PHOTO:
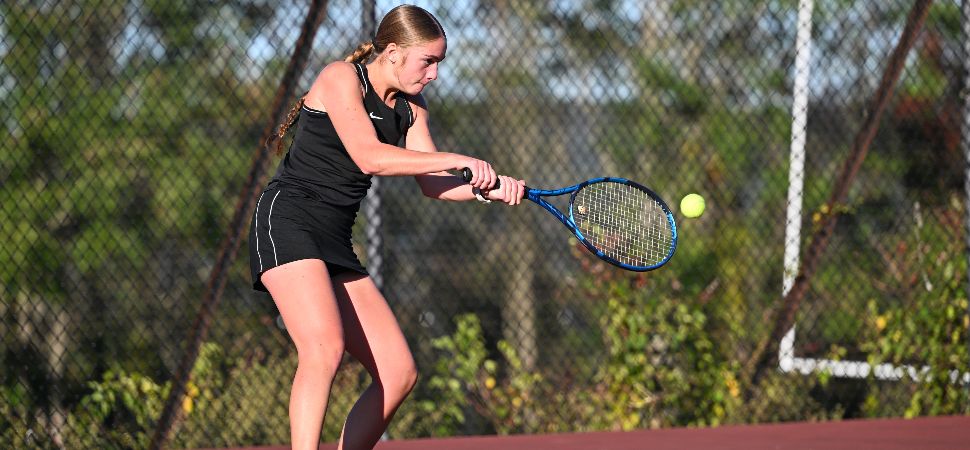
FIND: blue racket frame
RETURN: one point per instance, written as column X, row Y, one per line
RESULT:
column 535, row 195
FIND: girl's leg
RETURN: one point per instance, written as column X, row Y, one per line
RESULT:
column 373, row 336
column 305, row 297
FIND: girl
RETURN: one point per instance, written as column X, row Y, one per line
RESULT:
column 363, row 116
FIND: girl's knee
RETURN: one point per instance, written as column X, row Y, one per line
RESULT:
column 409, row 378
column 321, row 355
column 404, row 378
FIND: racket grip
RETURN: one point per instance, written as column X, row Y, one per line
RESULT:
column 466, row 176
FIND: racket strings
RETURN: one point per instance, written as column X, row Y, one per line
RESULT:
column 623, row 222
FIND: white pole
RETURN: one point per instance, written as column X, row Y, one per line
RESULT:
column 796, row 169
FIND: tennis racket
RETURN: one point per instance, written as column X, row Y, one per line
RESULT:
column 618, row 220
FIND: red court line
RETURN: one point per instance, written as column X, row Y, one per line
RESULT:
column 939, row 433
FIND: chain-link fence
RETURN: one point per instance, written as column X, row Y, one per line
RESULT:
column 133, row 125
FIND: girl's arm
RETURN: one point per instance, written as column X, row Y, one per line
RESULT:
column 442, row 185
column 337, row 91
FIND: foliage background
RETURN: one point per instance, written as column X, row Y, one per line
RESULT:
column 131, row 125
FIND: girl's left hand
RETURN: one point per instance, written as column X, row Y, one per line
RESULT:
column 509, row 191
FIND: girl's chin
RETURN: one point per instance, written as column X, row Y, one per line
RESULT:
column 416, row 89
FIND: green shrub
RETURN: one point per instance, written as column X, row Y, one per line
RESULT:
column 926, row 330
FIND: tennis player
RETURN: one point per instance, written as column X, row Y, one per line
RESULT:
column 363, row 116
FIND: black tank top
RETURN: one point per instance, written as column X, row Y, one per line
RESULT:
column 319, row 162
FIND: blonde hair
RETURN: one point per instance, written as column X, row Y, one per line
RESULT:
column 405, row 25
column 291, row 117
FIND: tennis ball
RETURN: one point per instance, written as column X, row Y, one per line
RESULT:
column 692, row 205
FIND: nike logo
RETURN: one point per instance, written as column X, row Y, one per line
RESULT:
column 372, row 116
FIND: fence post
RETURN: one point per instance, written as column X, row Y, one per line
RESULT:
column 965, row 144
column 372, row 204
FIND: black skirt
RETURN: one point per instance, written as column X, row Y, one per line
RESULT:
column 291, row 223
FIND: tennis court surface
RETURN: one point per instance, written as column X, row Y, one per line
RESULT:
column 922, row 433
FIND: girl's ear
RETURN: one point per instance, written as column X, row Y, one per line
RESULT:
column 392, row 52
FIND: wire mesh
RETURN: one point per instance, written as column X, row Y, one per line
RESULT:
column 131, row 126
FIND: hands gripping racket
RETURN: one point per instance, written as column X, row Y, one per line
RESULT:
column 620, row 221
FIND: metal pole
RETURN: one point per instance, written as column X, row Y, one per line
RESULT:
column 796, row 169
column 965, row 144
column 372, row 205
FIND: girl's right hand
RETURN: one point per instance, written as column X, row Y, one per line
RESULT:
column 483, row 176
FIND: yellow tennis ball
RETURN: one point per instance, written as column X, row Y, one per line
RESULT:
column 692, row 205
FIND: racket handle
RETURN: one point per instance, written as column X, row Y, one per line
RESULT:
column 466, row 175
